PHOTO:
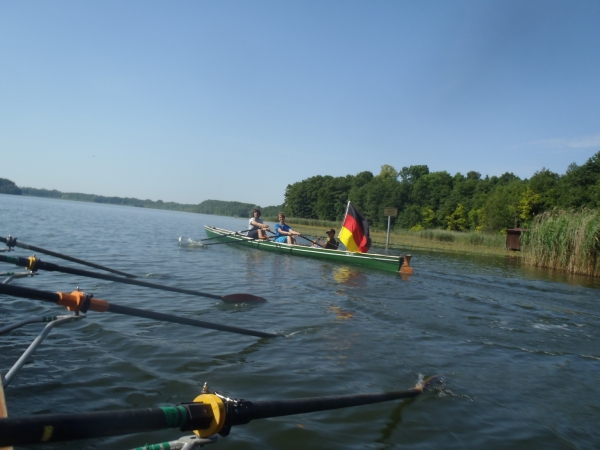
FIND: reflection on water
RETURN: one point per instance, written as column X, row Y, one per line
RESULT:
column 505, row 335
column 340, row 313
column 350, row 277
column 394, row 421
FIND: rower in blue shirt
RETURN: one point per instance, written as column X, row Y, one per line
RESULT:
column 283, row 232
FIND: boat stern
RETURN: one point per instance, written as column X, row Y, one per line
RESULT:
column 405, row 268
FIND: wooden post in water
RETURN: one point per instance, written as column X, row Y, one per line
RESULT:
column 390, row 212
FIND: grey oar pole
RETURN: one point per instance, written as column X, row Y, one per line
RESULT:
column 12, row 242
column 33, row 264
column 34, row 345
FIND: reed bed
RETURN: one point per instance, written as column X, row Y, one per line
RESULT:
column 564, row 240
column 466, row 238
column 435, row 240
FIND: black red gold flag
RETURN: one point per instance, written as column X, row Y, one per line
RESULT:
column 355, row 231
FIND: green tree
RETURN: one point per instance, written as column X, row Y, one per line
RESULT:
column 477, row 219
column 411, row 174
column 433, row 190
column 544, row 183
column 428, row 216
column 528, row 203
column 410, row 217
column 301, row 198
column 501, row 208
column 9, row 187
column 388, row 172
column 457, row 221
column 332, row 198
column 577, row 186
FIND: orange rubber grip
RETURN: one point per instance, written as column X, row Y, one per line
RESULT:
column 74, row 302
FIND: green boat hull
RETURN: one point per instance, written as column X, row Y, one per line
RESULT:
column 388, row 263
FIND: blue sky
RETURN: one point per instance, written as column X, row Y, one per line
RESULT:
column 234, row 100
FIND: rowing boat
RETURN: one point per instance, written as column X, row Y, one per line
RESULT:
column 389, row 263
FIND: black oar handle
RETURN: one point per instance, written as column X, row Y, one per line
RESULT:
column 120, row 309
column 13, row 243
column 103, row 305
column 40, row 265
column 46, row 428
column 34, row 294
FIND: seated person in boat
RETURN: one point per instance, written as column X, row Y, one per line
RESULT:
column 330, row 243
column 283, row 232
column 258, row 230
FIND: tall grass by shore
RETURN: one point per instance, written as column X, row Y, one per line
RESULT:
column 492, row 240
column 435, row 239
column 564, row 240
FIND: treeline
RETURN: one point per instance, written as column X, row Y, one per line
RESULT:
column 127, row 201
column 218, row 207
column 439, row 200
column 425, row 200
column 236, row 209
column 9, row 187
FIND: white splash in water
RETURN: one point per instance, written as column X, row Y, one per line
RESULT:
column 189, row 242
column 543, row 326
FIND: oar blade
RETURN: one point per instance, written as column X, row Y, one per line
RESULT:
column 243, row 298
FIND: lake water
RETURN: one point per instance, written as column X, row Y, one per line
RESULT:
column 518, row 348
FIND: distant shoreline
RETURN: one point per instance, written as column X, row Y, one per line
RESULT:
column 213, row 207
column 398, row 239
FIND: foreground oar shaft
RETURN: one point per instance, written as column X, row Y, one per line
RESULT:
column 278, row 408
column 41, row 265
column 13, row 242
column 66, row 427
column 75, row 300
column 199, row 417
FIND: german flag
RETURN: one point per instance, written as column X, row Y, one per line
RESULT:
column 355, row 231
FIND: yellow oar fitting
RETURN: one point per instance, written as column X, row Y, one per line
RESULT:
column 32, row 263
column 218, row 410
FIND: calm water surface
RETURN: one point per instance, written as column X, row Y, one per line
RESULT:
column 518, row 348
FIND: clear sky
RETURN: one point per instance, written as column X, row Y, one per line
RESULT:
column 234, row 100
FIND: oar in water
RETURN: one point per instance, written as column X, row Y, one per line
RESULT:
column 79, row 301
column 12, row 242
column 208, row 415
column 236, row 241
column 217, row 237
column 309, row 240
column 34, row 264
